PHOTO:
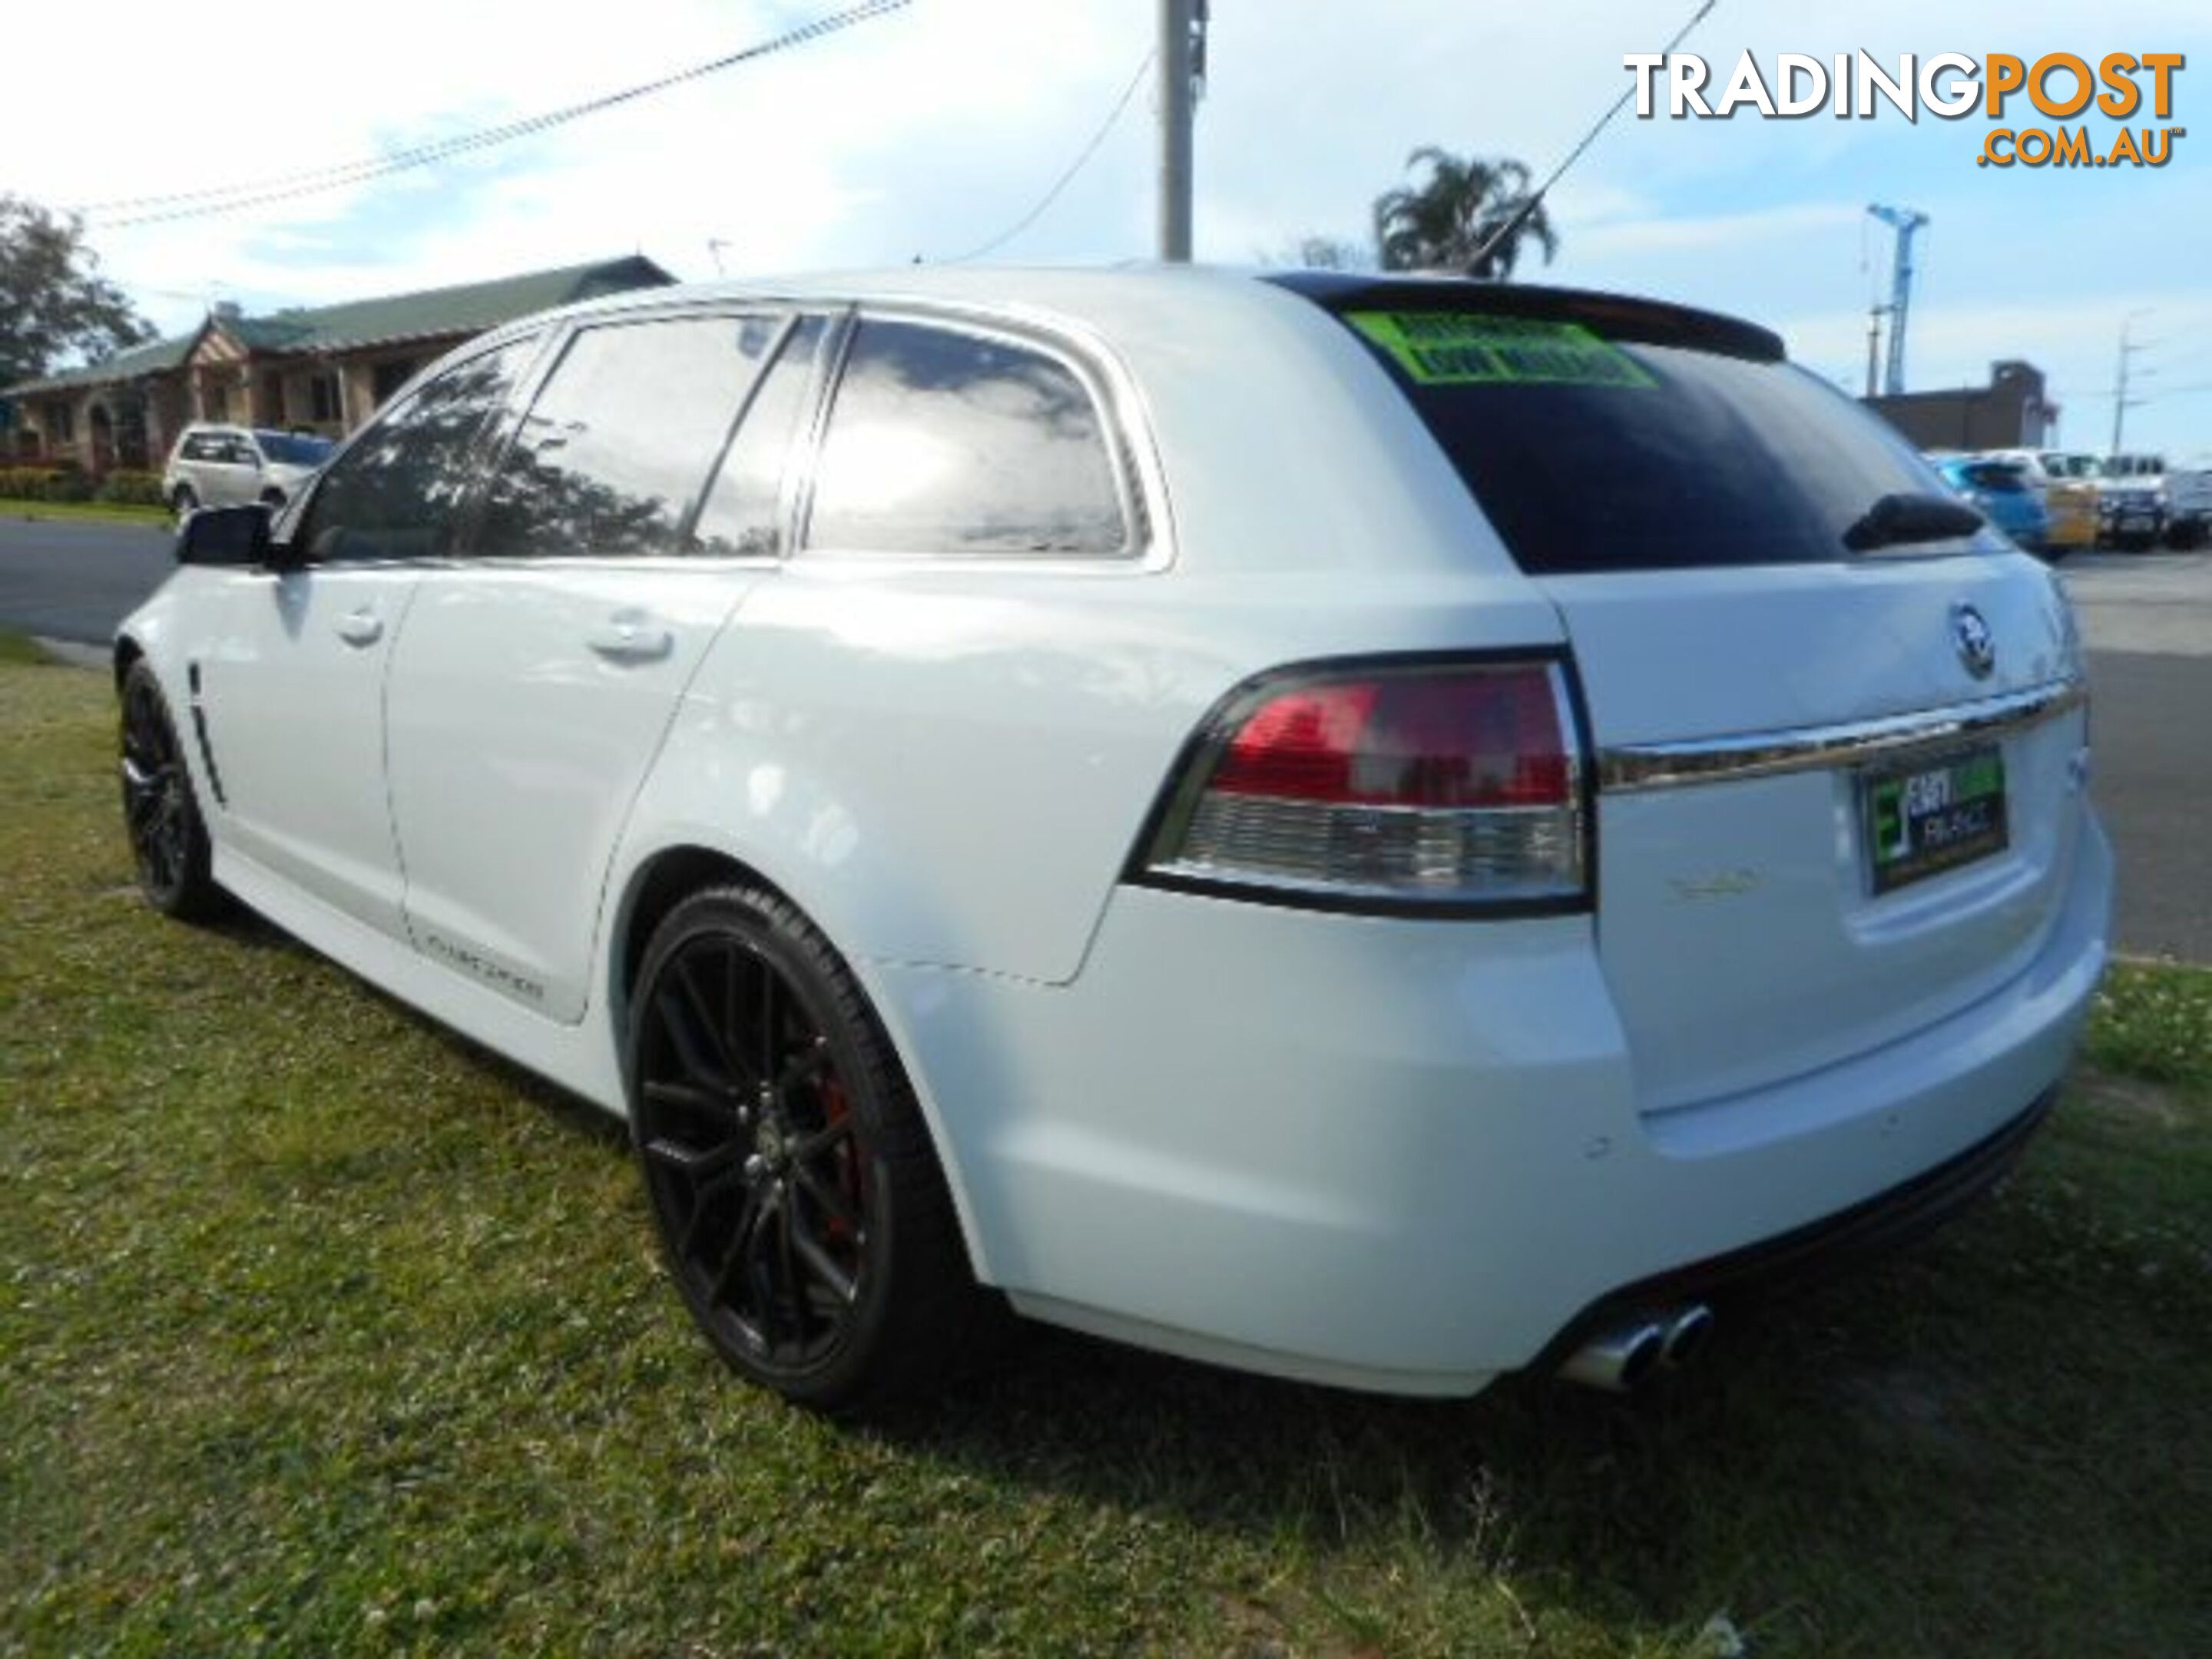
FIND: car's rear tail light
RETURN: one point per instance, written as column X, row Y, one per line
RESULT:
column 1400, row 786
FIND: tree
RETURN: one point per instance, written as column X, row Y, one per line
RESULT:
column 54, row 303
column 1443, row 223
column 1317, row 252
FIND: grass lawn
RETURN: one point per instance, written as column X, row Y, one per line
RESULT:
column 159, row 518
column 321, row 1333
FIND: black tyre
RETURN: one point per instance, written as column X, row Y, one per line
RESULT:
column 273, row 500
column 161, row 814
column 800, row 1206
column 185, row 501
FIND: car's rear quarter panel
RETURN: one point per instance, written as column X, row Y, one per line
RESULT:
column 949, row 767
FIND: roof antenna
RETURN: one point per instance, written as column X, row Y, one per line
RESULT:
column 1512, row 226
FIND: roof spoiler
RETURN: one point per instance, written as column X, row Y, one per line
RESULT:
column 1616, row 316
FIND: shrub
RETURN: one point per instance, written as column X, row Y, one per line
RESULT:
column 27, row 483
column 127, row 487
column 59, row 483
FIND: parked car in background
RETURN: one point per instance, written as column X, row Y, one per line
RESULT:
column 2131, row 501
column 1380, row 830
column 2189, row 503
column 2004, row 493
column 229, row 465
column 2069, row 504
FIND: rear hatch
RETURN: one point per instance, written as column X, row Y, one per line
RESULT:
column 1839, row 727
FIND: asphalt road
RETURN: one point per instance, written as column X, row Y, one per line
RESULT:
column 2147, row 619
column 76, row 581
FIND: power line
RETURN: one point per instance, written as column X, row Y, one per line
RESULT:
column 1066, row 177
column 198, row 203
column 1528, row 208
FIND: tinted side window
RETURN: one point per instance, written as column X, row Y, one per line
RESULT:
column 392, row 495
column 944, row 442
column 617, row 446
column 201, row 446
column 743, row 517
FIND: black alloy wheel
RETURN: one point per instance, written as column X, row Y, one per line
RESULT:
column 160, row 815
column 800, row 1207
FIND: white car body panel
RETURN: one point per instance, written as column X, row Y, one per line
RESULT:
column 1396, row 1152
column 294, row 682
column 507, row 807
column 1413, row 1189
column 1093, row 680
column 1675, row 656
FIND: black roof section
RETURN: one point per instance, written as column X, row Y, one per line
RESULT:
column 1617, row 316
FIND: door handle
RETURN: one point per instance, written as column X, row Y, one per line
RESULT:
column 362, row 627
column 631, row 639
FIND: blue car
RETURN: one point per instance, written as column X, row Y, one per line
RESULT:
column 2003, row 493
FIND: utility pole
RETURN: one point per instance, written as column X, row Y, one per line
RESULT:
column 1177, row 37
column 2121, row 403
column 1875, row 313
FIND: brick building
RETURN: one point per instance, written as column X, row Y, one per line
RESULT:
column 322, row 368
column 2012, row 412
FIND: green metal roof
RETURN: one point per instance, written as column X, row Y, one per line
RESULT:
column 148, row 359
column 433, row 313
column 470, row 308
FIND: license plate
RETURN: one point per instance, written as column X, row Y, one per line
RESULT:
column 1934, row 815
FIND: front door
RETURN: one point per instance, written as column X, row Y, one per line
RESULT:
column 294, row 696
column 295, row 689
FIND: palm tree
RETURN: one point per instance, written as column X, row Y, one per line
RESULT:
column 1445, row 223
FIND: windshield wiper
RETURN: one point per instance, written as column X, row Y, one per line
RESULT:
column 1907, row 516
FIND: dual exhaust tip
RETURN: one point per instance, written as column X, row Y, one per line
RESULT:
column 1623, row 1356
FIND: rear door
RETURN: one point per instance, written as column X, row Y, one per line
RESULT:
column 638, row 501
column 1840, row 784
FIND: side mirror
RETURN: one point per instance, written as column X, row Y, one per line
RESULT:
column 232, row 537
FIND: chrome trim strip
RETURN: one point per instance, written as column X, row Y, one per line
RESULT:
column 1638, row 766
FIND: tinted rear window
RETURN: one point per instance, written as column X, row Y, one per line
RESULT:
column 1593, row 454
column 2002, row 478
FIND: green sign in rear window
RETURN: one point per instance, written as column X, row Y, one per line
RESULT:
column 1467, row 348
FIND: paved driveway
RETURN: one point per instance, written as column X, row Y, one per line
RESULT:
column 2146, row 618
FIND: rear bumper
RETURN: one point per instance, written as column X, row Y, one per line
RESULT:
column 1409, row 1156
column 1875, row 1227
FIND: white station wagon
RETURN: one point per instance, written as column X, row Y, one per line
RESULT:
column 1384, row 831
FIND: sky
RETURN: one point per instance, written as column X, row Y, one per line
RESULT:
column 934, row 129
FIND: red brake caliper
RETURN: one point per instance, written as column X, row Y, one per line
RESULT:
column 835, row 1110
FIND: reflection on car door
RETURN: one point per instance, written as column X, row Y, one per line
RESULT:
column 295, row 689
column 628, row 516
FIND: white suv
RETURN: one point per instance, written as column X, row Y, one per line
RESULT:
column 1384, row 831
column 229, row 465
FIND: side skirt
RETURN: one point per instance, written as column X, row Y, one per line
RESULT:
column 580, row 1059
